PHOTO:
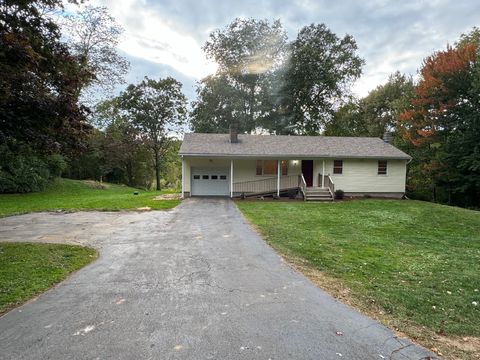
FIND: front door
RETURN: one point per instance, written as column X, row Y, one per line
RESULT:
column 307, row 171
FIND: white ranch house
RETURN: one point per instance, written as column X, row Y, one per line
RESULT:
column 234, row 165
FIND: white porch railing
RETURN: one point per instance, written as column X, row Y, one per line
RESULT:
column 267, row 185
column 327, row 183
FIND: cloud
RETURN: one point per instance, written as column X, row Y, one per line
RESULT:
column 151, row 36
column 391, row 35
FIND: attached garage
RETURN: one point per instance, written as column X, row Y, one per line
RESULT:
column 211, row 181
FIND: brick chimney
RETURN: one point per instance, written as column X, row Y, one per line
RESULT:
column 233, row 133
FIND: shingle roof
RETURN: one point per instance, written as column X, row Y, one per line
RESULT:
column 214, row 145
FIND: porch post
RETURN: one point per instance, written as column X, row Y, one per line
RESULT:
column 183, row 177
column 323, row 173
column 231, row 178
column 278, row 177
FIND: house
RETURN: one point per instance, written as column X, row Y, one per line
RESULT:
column 242, row 165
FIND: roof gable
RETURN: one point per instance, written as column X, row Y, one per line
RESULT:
column 218, row 145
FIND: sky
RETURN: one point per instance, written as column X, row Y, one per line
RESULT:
column 164, row 37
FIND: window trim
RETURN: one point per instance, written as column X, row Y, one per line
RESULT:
column 386, row 167
column 338, row 167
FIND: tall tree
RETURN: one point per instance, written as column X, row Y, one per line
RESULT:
column 123, row 147
column 158, row 110
column 348, row 120
column 93, row 35
column 216, row 106
column 320, row 71
column 376, row 113
column 443, row 123
column 38, row 79
column 248, row 53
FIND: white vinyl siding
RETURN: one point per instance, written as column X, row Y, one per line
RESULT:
column 361, row 175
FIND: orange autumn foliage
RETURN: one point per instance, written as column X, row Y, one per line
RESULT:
column 442, row 75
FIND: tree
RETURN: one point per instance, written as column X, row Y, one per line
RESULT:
column 383, row 105
column 265, row 84
column 93, row 35
column 158, row 110
column 249, row 53
column 123, row 148
column 216, row 106
column 376, row 113
column 38, row 79
column 348, row 120
column 320, row 70
column 443, row 123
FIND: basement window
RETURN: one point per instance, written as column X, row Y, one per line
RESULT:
column 382, row 167
column 338, row 166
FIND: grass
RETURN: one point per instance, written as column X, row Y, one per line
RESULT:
column 65, row 194
column 28, row 269
column 414, row 262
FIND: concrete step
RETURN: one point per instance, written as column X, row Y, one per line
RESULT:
column 318, row 196
column 318, row 199
column 318, row 192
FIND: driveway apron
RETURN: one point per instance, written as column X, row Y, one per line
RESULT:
column 196, row 282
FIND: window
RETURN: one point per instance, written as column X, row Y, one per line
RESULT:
column 270, row 167
column 259, row 167
column 382, row 167
column 223, row 177
column 205, row 177
column 284, row 167
column 214, row 177
column 338, row 166
column 196, row 177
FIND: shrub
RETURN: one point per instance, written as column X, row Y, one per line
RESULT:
column 56, row 165
column 22, row 171
column 339, row 194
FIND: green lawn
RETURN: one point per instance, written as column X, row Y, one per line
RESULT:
column 65, row 194
column 418, row 262
column 28, row 269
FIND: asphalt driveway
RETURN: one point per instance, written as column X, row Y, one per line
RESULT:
column 192, row 283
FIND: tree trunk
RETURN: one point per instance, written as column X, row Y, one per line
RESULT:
column 157, row 168
column 129, row 169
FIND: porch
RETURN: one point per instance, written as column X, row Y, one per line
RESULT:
column 256, row 177
column 289, row 185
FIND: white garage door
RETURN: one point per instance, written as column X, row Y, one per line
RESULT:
column 210, row 181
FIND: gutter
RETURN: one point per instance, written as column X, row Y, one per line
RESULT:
column 293, row 157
